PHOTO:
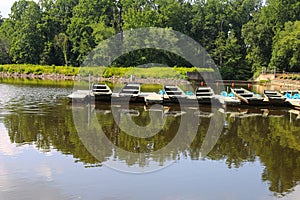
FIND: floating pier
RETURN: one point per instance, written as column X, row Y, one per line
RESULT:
column 171, row 95
column 81, row 96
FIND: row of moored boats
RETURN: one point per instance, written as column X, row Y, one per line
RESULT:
column 172, row 94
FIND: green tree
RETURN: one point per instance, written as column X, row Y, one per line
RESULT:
column 260, row 31
column 286, row 48
column 232, row 65
column 170, row 14
column 217, row 26
column 26, row 41
column 1, row 20
column 215, row 22
column 49, row 26
column 6, row 31
column 175, row 14
column 258, row 38
column 4, row 44
column 139, row 14
column 4, row 51
column 56, row 16
column 61, row 40
column 87, row 16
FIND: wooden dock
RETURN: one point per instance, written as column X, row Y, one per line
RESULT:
column 81, row 95
column 148, row 98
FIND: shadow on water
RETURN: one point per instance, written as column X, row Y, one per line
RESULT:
column 268, row 135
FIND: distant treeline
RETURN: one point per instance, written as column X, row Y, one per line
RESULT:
column 241, row 36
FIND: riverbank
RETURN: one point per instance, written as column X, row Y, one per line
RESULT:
column 93, row 79
column 292, row 84
column 51, row 76
column 286, row 80
column 68, row 72
column 153, row 75
column 277, row 82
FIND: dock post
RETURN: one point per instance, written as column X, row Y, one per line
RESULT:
column 89, row 81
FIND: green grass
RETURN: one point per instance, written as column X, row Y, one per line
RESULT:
column 106, row 72
column 39, row 69
column 153, row 72
column 151, row 87
column 93, row 71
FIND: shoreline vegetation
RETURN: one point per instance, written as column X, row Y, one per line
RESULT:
column 154, row 75
column 77, row 73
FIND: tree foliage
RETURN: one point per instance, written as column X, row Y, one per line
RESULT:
column 286, row 50
column 26, row 38
column 241, row 36
column 261, row 33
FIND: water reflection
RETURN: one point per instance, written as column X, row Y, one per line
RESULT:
column 45, row 120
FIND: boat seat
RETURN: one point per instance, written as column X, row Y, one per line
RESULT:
column 204, row 94
column 278, row 97
column 100, row 90
column 130, row 91
column 99, row 87
column 174, row 93
column 238, row 91
column 203, row 91
column 247, row 95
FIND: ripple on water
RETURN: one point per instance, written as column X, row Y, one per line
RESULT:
column 4, row 113
column 30, row 100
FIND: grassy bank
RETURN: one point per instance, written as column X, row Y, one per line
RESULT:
column 106, row 72
column 38, row 69
column 50, row 83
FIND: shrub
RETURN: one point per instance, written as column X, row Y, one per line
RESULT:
column 38, row 71
column 10, row 70
column 28, row 71
column 261, row 82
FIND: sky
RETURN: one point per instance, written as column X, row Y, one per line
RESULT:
column 5, row 6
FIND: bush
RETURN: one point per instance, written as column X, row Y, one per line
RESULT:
column 262, row 82
column 10, row 70
column 28, row 71
column 116, row 71
column 38, row 71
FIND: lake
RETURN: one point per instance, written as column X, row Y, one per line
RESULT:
column 51, row 149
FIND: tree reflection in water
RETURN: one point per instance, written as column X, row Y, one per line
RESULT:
column 273, row 138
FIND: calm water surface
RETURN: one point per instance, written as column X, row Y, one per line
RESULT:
column 42, row 156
